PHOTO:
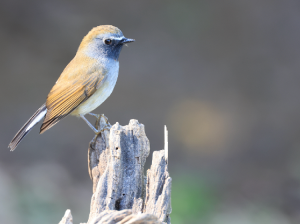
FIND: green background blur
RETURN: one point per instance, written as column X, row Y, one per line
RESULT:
column 222, row 75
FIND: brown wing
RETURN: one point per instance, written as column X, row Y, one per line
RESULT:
column 66, row 96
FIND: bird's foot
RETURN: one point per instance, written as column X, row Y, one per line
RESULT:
column 101, row 130
column 97, row 129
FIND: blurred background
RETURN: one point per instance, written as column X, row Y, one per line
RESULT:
column 222, row 75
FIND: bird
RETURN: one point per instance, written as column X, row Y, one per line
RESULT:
column 85, row 83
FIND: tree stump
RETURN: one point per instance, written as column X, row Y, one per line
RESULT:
column 122, row 194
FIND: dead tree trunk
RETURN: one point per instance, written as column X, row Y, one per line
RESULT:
column 121, row 192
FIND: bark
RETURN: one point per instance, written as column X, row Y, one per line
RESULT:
column 121, row 191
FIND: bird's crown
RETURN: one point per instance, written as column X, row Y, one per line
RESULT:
column 104, row 30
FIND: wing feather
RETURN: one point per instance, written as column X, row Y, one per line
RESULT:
column 66, row 96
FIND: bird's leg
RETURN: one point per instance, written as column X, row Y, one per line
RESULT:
column 97, row 129
column 98, row 116
column 89, row 124
column 95, row 115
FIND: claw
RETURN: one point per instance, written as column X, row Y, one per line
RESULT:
column 98, row 122
column 105, row 128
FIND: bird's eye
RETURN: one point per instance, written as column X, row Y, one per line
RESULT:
column 108, row 41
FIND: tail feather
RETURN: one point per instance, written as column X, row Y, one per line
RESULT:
column 36, row 117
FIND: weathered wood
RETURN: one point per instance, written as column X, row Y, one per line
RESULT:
column 121, row 191
column 116, row 217
column 158, row 190
column 67, row 219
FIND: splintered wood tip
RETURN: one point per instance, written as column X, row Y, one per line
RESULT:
column 166, row 144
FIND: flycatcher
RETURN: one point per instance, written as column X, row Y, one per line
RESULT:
column 86, row 82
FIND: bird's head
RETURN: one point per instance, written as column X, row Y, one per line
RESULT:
column 104, row 42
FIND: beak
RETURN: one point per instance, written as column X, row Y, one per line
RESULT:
column 126, row 40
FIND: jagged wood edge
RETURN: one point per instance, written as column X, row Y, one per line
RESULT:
column 156, row 206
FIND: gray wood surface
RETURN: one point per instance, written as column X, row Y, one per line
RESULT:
column 121, row 191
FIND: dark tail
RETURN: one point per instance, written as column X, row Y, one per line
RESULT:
column 36, row 117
